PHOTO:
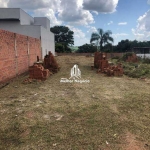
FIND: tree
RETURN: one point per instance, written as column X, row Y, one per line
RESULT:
column 101, row 38
column 59, row 48
column 86, row 48
column 124, row 45
column 127, row 46
column 108, row 48
column 63, row 35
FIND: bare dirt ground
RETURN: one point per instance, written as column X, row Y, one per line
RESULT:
column 109, row 113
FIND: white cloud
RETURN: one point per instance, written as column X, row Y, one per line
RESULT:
column 95, row 12
column 116, row 35
column 122, row 23
column 77, row 32
column 142, row 30
column 148, row 2
column 91, row 29
column 79, row 36
column 111, row 22
column 144, row 22
column 33, row 4
column 72, row 12
column 3, row 3
column 49, row 13
column 104, row 6
column 136, row 33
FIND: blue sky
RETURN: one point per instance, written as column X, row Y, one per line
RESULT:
column 127, row 19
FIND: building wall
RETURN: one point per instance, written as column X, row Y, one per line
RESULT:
column 43, row 21
column 10, row 13
column 25, row 19
column 14, row 26
column 17, row 53
column 143, row 55
column 47, row 42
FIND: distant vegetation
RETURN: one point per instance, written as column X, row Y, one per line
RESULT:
column 126, row 45
column 122, row 47
column 100, row 41
column 73, row 48
column 87, row 48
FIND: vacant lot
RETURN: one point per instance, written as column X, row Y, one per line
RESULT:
column 109, row 113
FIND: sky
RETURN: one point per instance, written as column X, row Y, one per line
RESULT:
column 127, row 19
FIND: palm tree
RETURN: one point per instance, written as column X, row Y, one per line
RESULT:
column 101, row 37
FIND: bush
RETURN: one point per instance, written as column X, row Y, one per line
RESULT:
column 62, row 48
column 86, row 48
column 125, row 56
column 146, row 61
column 135, row 71
column 68, row 50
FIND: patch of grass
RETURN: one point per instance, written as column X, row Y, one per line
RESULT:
column 125, row 56
column 53, row 115
column 146, row 61
column 10, row 136
column 136, row 70
column 136, row 108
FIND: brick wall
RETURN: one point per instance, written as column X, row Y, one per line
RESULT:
column 73, row 54
column 17, row 53
column 109, row 55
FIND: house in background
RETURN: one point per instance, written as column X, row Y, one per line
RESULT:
column 142, row 51
column 18, row 21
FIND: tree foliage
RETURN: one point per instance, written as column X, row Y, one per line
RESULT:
column 86, row 48
column 63, row 38
column 108, row 48
column 60, row 48
column 126, row 45
column 101, row 38
column 63, row 35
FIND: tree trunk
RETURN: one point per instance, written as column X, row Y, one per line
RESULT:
column 101, row 45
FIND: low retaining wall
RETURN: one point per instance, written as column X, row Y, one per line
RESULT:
column 17, row 53
column 144, row 55
column 109, row 55
column 72, row 54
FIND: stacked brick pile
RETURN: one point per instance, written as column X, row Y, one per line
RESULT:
column 114, row 70
column 42, row 70
column 101, row 63
column 38, row 72
column 50, row 63
column 98, row 57
column 133, row 58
